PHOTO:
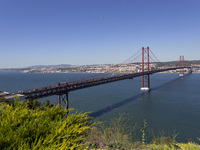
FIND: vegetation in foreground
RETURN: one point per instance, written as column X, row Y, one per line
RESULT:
column 49, row 128
column 33, row 125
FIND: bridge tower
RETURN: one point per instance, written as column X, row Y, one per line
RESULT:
column 181, row 64
column 145, row 68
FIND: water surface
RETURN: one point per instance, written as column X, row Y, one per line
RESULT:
column 172, row 105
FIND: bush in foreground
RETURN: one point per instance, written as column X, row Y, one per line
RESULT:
column 115, row 134
column 24, row 128
column 178, row 146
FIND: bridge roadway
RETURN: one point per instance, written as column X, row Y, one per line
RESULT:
column 73, row 86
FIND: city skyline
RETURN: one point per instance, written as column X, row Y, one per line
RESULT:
column 96, row 32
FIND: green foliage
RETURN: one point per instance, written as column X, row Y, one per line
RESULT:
column 164, row 141
column 144, row 124
column 159, row 147
column 24, row 128
column 178, row 146
column 34, row 104
column 115, row 134
column 5, row 101
column 188, row 146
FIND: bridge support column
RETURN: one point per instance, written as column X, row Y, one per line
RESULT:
column 67, row 101
column 145, row 68
column 63, row 97
column 59, row 96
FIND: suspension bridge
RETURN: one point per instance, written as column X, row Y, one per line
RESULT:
column 62, row 89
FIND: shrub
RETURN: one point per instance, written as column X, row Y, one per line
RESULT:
column 160, row 147
column 163, row 141
column 34, row 104
column 178, row 146
column 188, row 146
column 5, row 101
column 115, row 134
column 23, row 128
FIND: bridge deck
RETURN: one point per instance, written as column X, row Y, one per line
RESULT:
column 72, row 86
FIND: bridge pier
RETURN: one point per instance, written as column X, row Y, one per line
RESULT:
column 63, row 97
column 145, row 67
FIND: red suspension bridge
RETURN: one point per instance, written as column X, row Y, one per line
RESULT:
column 63, row 88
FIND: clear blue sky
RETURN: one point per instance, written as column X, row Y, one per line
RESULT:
column 81, row 32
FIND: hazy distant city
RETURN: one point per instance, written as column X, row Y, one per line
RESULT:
column 104, row 68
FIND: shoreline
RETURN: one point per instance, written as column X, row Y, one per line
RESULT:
column 81, row 72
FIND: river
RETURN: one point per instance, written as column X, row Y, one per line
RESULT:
column 173, row 105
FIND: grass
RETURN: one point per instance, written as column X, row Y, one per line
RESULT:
column 115, row 134
column 178, row 146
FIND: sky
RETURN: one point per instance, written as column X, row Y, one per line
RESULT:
column 85, row 32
